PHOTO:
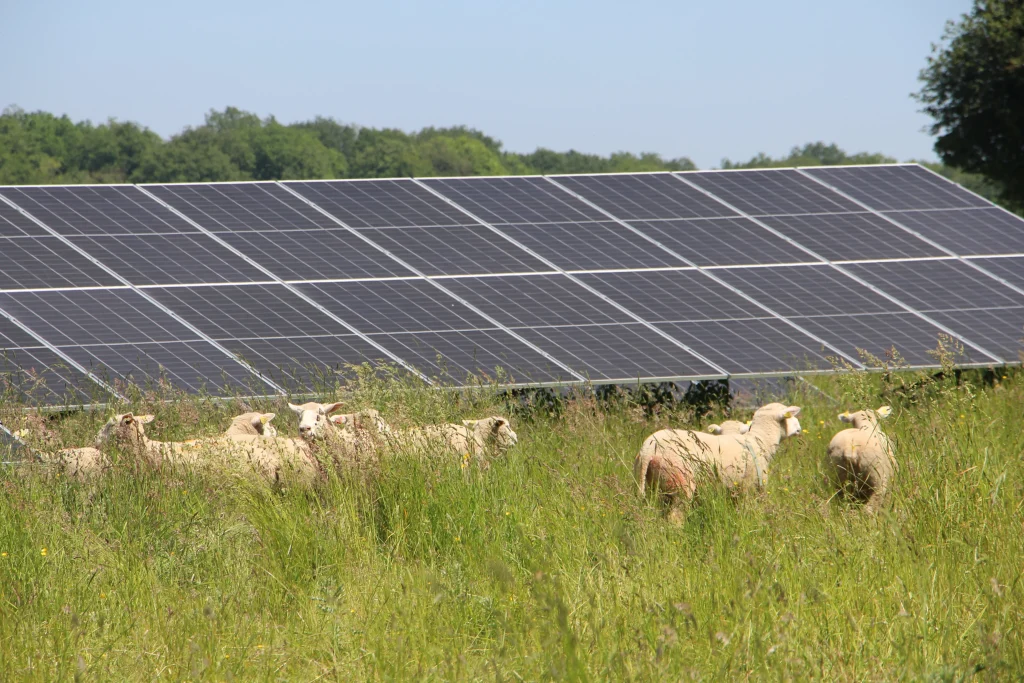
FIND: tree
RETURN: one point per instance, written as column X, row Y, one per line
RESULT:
column 974, row 90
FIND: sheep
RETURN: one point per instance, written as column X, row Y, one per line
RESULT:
column 479, row 439
column 76, row 463
column 863, row 457
column 274, row 459
column 366, row 419
column 673, row 459
column 729, row 427
column 346, row 449
column 252, row 424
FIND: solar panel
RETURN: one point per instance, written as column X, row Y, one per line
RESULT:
column 714, row 320
column 514, row 200
column 897, row 188
column 643, row 196
column 846, row 314
column 537, row 280
column 117, row 334
column 96, row 210
column 577, row 327
column 39, row 375
column 846, row 236
column 594, row 245
column 967, row 231
column 774, row 192
column 14, row 224
column 723, row 241
column 31, row 262
column 961, row 293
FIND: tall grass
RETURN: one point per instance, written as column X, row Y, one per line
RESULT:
column 546, row 566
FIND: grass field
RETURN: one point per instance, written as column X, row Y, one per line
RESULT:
column 546, row 567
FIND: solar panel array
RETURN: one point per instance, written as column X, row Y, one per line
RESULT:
column 271, row 287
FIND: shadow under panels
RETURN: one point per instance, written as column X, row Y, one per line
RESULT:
column 579, row 328
column 121, row 337
column 841, row 311
column 713, row 320
column 968, row 302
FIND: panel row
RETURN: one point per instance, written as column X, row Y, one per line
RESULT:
column 538, row 325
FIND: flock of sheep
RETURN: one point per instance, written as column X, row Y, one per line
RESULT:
column 673, row 462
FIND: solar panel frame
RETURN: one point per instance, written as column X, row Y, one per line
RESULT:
column 852, row 236
column 957, row 229
column 768, row 192
column 509, row 199
column 583, row 246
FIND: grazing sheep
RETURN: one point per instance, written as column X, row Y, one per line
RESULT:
column 252, row 424
column 863, row 457
column 479, row 439
column 349, row 449
column 673, row 459
column 275, row 460
column 76, row 463
column 729, row 427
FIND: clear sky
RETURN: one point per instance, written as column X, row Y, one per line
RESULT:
column 708, row 79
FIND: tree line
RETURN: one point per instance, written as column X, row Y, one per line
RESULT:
column 44, row 148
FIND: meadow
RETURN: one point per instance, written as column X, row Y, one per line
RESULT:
column 547, row 566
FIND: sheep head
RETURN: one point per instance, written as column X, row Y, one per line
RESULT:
column 368, row 419
column 783, row 417
column 493, row 432
column 729, row 427
column 126, row 431
column 255, row 423
column 313, row 420
column 865, row 418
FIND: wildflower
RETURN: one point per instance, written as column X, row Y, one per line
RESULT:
column 458, row 539
column 3, row 554
column 507, row 513
column 962, row 416
column 42, row 551
column 184, row 492
column 103, row 596
column 821, row 422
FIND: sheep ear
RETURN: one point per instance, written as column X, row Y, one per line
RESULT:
column 470, row 423
column 329, row 408
column 145, row 419
column 267, row 417
column 714, row 429
column 298, row 410
column 746, row 427
column 257, row 422
column 792, row 411
column 884, row 412
column 498, row 422
column 127, row 418
column 845, row 416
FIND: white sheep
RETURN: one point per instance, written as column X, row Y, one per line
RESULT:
column 275, row 460
column 863, row 457
column 729, row 427
column 76, row 463
column 477, row 439
column 672, row 460
column 252, row 424
column 343, row 449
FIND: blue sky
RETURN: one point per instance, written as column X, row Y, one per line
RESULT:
column 701, row 79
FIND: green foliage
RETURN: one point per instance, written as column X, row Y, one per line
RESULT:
column 811, row 154
column 547, row 566
column 973, row 87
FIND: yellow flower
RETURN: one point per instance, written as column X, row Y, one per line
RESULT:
column 3, row 554
column 458, row 539
column 821, row 422
column 42, row 551
column 103, row 596
column 184, row 492
column 962, row 416
column 507, row 513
